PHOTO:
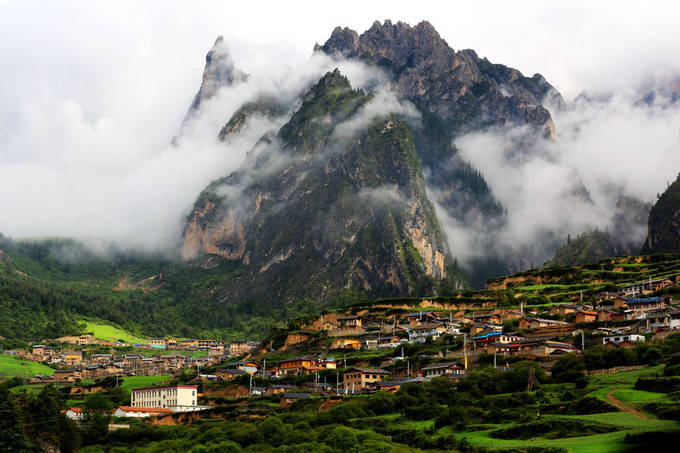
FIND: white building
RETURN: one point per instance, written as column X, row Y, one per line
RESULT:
column 74, row 413
column 630, row 338
column 178, row 398
column 140, row 412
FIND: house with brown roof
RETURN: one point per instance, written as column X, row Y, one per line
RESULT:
column 586, row 316
column 563, row 309
column 299, row 365
column 439, row 369
column 361, row 378
column 417, row 319
column 67, row 375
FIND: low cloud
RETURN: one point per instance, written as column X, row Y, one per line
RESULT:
column 604, row 149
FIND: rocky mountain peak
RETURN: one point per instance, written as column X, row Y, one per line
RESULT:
column 219, row 72
column 343, row 41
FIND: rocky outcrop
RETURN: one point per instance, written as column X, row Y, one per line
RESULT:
column 664, row 223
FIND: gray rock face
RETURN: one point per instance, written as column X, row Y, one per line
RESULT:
column 466, row 91
column 219, row 72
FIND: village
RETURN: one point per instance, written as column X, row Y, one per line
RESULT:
column 360, row 349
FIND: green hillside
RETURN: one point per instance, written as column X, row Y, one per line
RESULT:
column 110, row 332
column 14, row 367
column 48, row 287
column 586, row 248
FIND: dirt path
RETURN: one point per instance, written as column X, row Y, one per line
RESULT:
column 624, row 407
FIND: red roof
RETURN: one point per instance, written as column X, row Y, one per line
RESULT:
column 77, row 410
column 166, row 387
column 155, row 410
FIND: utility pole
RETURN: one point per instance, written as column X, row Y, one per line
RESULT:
column 494, row 360
column 408, row 369
column 465, row 349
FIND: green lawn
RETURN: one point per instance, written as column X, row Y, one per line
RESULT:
column 539, row 287
column 11, row 367
column 135, row 382
column 624, row 377
column 110, row 332
column 637, row 396
column 33, row 388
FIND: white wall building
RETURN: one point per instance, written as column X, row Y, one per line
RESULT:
column 178, row 398
column 631, row 338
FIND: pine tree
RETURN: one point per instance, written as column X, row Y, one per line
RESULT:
column 11, row 432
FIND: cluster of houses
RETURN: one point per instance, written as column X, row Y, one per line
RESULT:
column 654, row 314
column 351, row 380
column 213, row 347
column 104, row 365
column 73, row 365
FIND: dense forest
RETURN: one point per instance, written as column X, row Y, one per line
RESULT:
column 47, row 286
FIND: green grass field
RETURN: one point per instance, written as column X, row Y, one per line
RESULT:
column 597, row 443
column 135, row 382
column 11, row 367
column 109, row 332
column 637, row 396
column 621, row 386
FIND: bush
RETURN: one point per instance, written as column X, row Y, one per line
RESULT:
column 658, row 384
column 666, row 411
column 342, row 438
column 551, row 429
column 590, row 405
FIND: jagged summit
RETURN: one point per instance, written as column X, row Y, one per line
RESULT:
column 440, row 80
column 219, row 72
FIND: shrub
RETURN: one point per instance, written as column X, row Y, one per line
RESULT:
column 342, row 438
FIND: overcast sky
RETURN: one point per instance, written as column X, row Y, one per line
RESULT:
column 92, row 92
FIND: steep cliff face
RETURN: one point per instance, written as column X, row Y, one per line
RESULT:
column 330, row 203
column 664, row 223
